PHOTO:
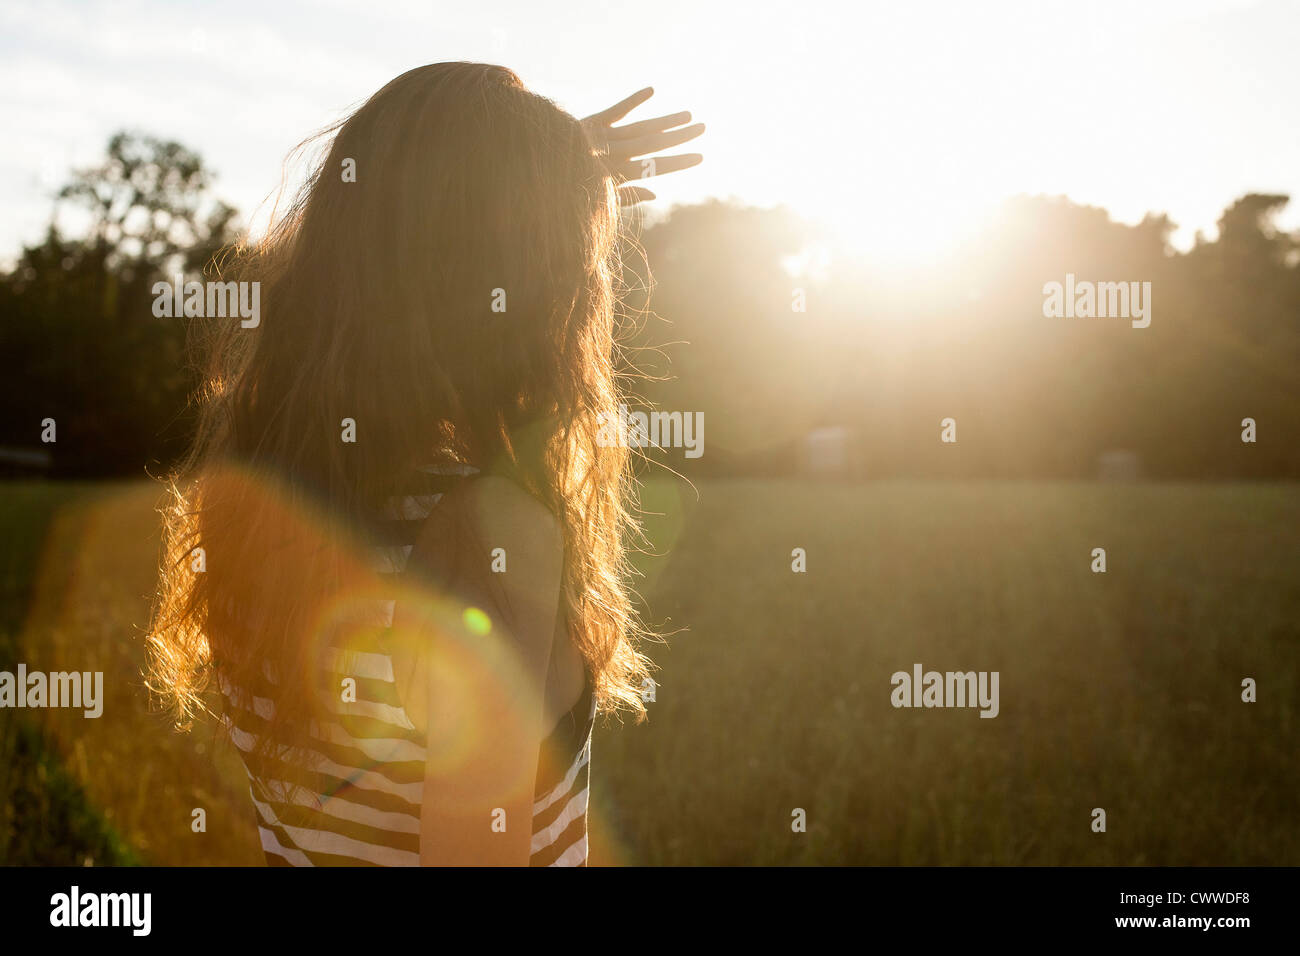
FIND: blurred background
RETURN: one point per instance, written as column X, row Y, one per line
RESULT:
column 887, row 188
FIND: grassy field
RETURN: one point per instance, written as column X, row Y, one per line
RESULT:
column 1119, row 690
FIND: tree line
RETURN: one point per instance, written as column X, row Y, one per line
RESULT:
column 721, row 323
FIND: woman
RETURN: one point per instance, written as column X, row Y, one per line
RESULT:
column 398, row 545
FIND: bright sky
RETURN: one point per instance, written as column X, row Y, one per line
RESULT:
column 893, row 121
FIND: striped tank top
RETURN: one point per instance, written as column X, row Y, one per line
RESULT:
column 367, row 759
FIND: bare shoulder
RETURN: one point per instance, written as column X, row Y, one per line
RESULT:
column 498, row 541
column 503, row 514
column 502, row 506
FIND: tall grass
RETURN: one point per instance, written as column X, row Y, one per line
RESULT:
column 1119, row 690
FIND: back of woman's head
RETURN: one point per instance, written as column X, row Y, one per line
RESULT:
column 442, row 287
column 462, row 279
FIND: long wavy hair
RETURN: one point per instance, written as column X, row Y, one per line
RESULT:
column 452, row 188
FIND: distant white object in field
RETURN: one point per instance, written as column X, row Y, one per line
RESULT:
column 1119, row 464
column 826, row 451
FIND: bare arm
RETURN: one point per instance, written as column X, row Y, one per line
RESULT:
column 479, row 668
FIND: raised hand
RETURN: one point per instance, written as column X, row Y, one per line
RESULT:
column 626, row 150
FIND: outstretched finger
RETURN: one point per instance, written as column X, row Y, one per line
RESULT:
column 656, row 125
column 631, row 195
column 658, row 166
column 654, row 142
column 621, row 108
